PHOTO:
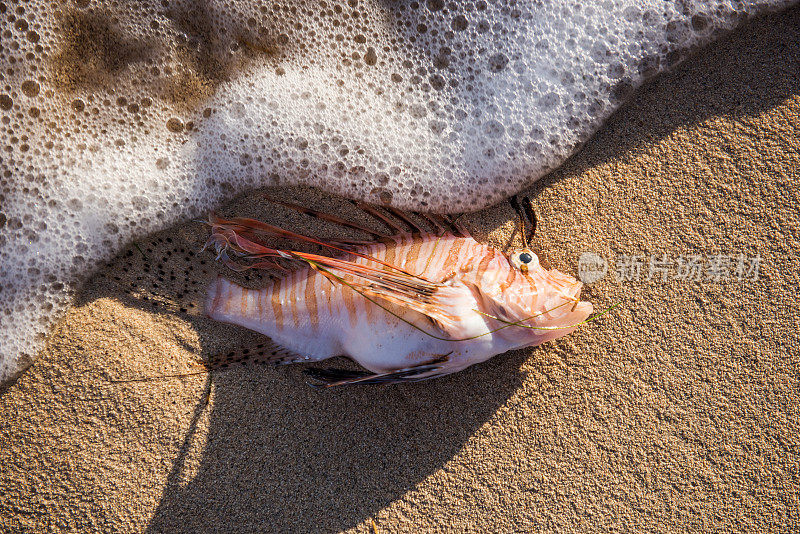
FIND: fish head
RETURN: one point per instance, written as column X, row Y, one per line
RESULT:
column 526, row 304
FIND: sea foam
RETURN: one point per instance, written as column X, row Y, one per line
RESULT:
column 121, row 118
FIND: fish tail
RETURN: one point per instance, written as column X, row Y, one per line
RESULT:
column 226, row 300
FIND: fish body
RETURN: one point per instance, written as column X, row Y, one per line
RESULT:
column 406, row 307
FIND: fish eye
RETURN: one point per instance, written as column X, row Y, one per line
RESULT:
column 523, row 260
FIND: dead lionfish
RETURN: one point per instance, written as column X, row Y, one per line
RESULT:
column 409, row 306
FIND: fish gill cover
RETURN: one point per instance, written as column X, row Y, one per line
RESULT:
column 121, row 118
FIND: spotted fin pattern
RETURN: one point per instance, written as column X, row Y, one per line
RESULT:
column 266, row 352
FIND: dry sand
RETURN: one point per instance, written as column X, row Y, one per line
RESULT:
column 677, row 412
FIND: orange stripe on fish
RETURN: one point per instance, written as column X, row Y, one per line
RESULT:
column 413, row 254
column 244, row 303
column 277, row 305
column 508, row 282
column 311, row 301
column 484, row 264
column 388, row 254
column 293, row 297
column 325, row 289
column 348, row 296
column 452, row 257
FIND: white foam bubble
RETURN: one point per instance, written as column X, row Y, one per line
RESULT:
column 118, row 120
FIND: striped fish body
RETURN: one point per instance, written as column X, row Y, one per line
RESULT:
column 318, row 315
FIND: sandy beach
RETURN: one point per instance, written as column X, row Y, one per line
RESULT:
column 677, row 412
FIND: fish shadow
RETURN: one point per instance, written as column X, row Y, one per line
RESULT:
column 282, row 457
column 263, row 450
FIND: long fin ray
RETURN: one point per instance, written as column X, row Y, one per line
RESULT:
column 394, row 293
column 375, row 213
column 457, row 228
column 326, row 217
column 241, row 234
column 433, row 221
column 415, row 228
column 339, row 377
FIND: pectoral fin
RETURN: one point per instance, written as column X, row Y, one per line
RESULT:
column 341, row 377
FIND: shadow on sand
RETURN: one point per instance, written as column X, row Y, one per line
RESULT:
column 279, row 456
column 277, row 453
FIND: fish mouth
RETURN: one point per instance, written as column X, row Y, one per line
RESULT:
column 564, row 283
column 579, row 309
column 575, row 290
column 583, row 310
column 569, row 289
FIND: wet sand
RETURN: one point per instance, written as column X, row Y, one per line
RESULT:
column 679, row 411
